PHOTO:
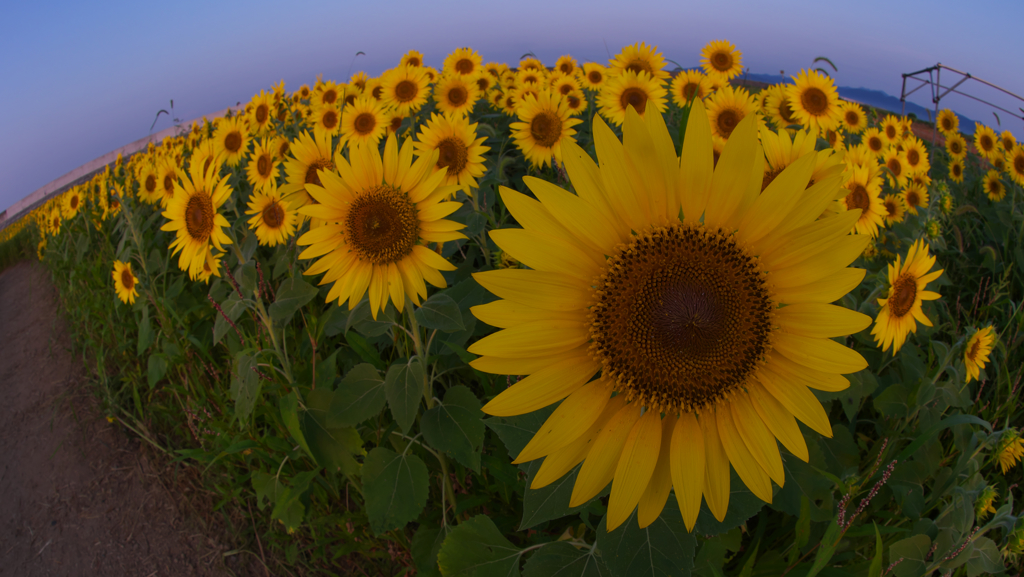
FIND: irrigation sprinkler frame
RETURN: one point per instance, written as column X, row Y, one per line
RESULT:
column 934, row 82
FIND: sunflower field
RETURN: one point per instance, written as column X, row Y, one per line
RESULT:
column 569, row 319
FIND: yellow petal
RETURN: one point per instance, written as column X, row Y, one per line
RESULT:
column 643, row 168
column 826, row 290
column 570, row 420
column 797, row 400
column 534, row 338
column 584, row 220
column 746, row 466
column 551, row 291
column 599, row 468
column 774, row 204
column 547, row 253
column 504, row 314
column 586, row 179
column 780, row 421
column 615, row 178
column 780, row 251
column 652, row 502
column 696, row 164
column 686, row 465
column 730, row 190
column 561, row 461
column 716, row 467
column 758, row 438
column 821, row 320
column 527, row 366
column 635, row 466
column 840, row 254
column 544, row 387
column 823, row 355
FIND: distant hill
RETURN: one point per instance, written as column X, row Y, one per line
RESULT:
column 871, row 97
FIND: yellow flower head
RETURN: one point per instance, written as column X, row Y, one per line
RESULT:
column 640, row 58
column 458, row 148
column 902, row 307
column 727, row 107
column 948, row 122
column 815, row 101
column 193, row 216
column 628, row 89
column 983, row 506
column 853, row 118
column 1011, row 449
column 687, row 85
column 722, row 58
column 273, row 219
column 544, row 125
column 125, row 282
column 977, row 350
column 993, row 186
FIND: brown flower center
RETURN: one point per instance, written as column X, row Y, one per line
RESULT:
column 565, row 89
column 273, row 215
column 639, row 66
column 986, row 142
column 690, row 90
column 199, row 216
column 975, row 348
column 727, row 121
column 364, row 123
column 875, row 143
column 464, row 66
column 913, row 157
column 330, row 119
column 566, row 68
column 721, row 61
column 858, row 198
column 282, row 149
column 913, row 198
column 329, row 96
column 396, row 123
column 382, row 226
column 168, row 184
column 1018, row 163
column 852, row 118
column 127, row 280
column 682, row 318
column 413, row 61
column 406, row 91
column 890, row 131
column 150, row 182
column 74, row 202
column 483, row 83
column 947, row 124
column 904, row 293
column 457, row 96
column 319, row 164
column 895, row 166
column 574, row 103
column 634, row 97
column 233, row 141
column 546, row 128
column 814, row 101
column 263, row 165
column 957, row 170
column 595, row 76
column 262, row 113
column 452, row 153
column 768, row 178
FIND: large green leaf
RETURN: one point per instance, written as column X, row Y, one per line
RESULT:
column 289, row 406
column 245, row 386
column 233, row 308
column 560, row 559
column 914, row 552
column 395, row 488
column 515, row 432
column 332, row 447
column 404, row 386
column 291, row 296
column 440, row 312
column 456, row 427
column 425, row 546
column 551, row 501
column 360, row 395
column 476, row 548
column 664, row 547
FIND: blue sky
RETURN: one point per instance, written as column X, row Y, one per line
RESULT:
column 81, row 79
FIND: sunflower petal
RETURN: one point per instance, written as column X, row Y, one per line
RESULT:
column 551, row 291
column 821, row 320
column 686, row 465
column 716, row 467
column 741, row 459
column 635, row 466
column 824, row 355
column 652, row 502
column 696, row 164
column 544, row 387
column 780, row 422
column 599, row 468
column 571, row 419
column 561, row 461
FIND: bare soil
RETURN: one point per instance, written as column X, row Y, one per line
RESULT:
column 77, row 495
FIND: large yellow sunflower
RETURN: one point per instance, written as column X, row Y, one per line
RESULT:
column 977, row 350
column 593, row 76
column 948, row 121
column 640, row 58
column 721, row 57
column 873, row 139
column 1015, row 163
column 916, row 196
column 405, row 89
column 379, row 214
column 687, row 85
column 637, row 90
column 309, row 155
column 412, row 58
column 896, row 161
column 956, row 145
column 864, row 193
column 777, row 108
column 326, row 118
column 895, row 208
column 545, row 124
column 727, row 107
column 781, row 150
column 993, row 186
column 363, row 122
column 985, row 139
column 891, row 129
column 696, row 299
column 194, row 218
column 458, row 149
column 464, row 62
column 916, row 155
column 853, row 118
column 149, row 182
column 566, row 65
column 259, row 118
column 262, row 169
column 125, row 282
column 1007, row 140
column 815, row 101
column 231, row 139
column 273, row 219
column 902, row 306
column 167, row 175
column 71, row 202
column 455, row 94
column 956, row 170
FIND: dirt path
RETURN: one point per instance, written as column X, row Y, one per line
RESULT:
column 77, row 497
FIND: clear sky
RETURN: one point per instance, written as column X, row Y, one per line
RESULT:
column 80, row 79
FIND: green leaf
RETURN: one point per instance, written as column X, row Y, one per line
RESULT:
column 424, row 548
column 476, row 548
column 876, row 563
column 267, row 487
column 361, row 319
column 742, row 506
column 927, row 434
column 515, row 432
column 456, row 426
column 156, row 368
column 246, row 277
column 334, row 321
column 404, row 386
column 826, row 549
column 360, row 395
column 395, row 488
column 440, row 312
column 289, row 508
column 560, row 559
column 291, row 296
column 364, row 349
column 664, row 547
column 914, row 552
column 985, row 559
column 551, row 501
column 332, row 447
column 234, row 309
column 289, row 406
column 246, row 386
column 249, row 246
column 146, row 335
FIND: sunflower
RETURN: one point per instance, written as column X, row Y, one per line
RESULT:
column 864, row 193
column 983, row 506
column 998, row 161
column 262, row 169
column 781, row 150
column 499, row 69
column 412, row 58
column 327, row 94
column 458, row 149
column 310, row 154
column 464, row 62
column 891, row 129
column 687, row 85
column 54, row 220
column 778, row 107
column 1015, row 163
column 956, row 146
column 896, row 162
column 374, row 89
column 563, row 85
column 566, row 65
column 874, row 140
column 394, row 120
column 916, row 196
column 976, row 352
column 231, row 139
column 508, row 102
column 273, row 219
column 895, row 208
column 194, row 218
column 167, row 175
column 647, row 235
column 483, row 82
column 211, row 266
column 727, row 108
column 899, row 310
column 71, row 202
column 259, row 118
column 640, row 58
column 326, row 118
column 1007, row 140
column 576, row 102
column 721, row 57
column 544, row 126
column 379, row 214
column 455, row 94
column 993, row 186
column 852, row 117
column 149, row 182
column 948, row 122
column 532, row 63
column 531, row 76
column 985, row 139
column 815, row 101
column 1011, row 449
column 520, row 92
column 125, row 282
column 956, row 170
column 363, row 122
column 916, row 155
column 593, row 76
column 637, row 90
